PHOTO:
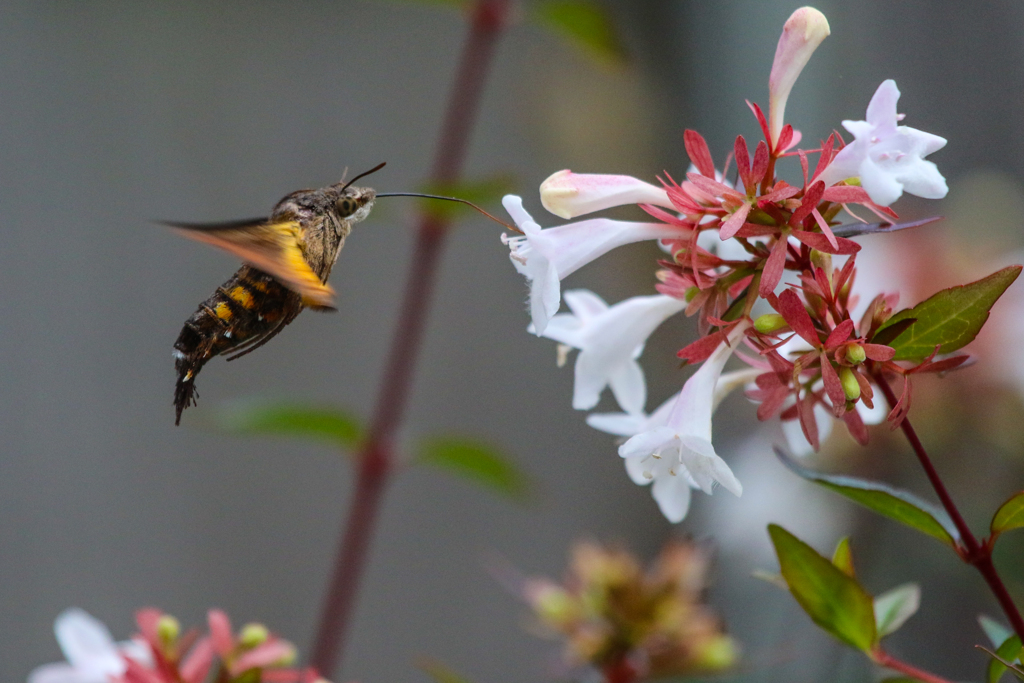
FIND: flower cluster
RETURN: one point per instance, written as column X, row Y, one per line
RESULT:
column 613, row 615
column 731, row 244
column 161, row 653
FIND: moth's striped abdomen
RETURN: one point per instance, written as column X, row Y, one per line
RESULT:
column 243, row 314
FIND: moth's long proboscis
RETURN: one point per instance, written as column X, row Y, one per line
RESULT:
column 449, row 199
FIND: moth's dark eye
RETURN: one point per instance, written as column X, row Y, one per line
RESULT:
column 346, row 206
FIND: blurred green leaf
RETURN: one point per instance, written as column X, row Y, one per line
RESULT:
column 323, row 423
column 843, row 557
column 584, row 23
column 901, row 506
column 833, row 600
column 895, row 606
column 770, row 577
column 483, row 193
column 440, row 671
column 477, row 462
column 950, row 318
column 1010, row 514
column 1003, row 659
column 994, row 631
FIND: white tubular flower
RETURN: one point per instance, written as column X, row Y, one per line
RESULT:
column 610, row 339
column 545, row 256
column 91, row 653
column 567, row 194
column 679, row 455
column 888, row 159
column 801, row 36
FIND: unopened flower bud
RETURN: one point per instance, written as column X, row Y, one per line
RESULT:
column 167, row 629
column 253, row 635
column 801, row 36
column 552, row 603
column 718, row 654
column 288, row 658
column 820, row 259
column 855, row 354
column 770, row 322
column 567, row 194
column 851, row 387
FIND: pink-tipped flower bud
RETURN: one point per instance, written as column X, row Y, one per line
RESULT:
column 801, row 36
column 567, row 194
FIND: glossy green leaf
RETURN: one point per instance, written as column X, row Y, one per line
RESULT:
column 1010, row 514
column 994, row 630
column 835, row 601
column 895, row 606
column 323, row 423
column 901, row 506
column 476, row 462
column 843, row 557
column 949, row 319
column 583, row 23
column 1003, row 659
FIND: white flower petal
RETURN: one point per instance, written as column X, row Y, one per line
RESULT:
column 672, row 494
column 584, row 304
column 567, row 194
column 86, row 642
column 620, row 424
column 637, row 471
column 647, row 442
column 629, row 386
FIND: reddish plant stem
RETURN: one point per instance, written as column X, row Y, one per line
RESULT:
column 974, row 552
column 887, row 660
column 376, row 456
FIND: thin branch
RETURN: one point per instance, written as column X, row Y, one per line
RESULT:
column 977, row 554
column 376, row 457
column 888, row 661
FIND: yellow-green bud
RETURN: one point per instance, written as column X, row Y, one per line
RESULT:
column 288, row 658
column 855, row 354
column 719, row 653
column 253, row 635
column 167, row 629
column 769, row 322
column 692, row 292
column 851, row 387
column 820, row 259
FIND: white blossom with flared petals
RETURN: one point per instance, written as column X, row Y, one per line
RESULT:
column 888, row 159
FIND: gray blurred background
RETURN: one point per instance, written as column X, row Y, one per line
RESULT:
column 115, row 114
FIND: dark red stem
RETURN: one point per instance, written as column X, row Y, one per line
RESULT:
column 975, row 553
column 376, row 456
column 887, row 660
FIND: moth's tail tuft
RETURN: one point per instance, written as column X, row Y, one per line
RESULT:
column 187, row 363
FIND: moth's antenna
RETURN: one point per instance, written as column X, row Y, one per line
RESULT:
column 364, row 174
column 450, row 199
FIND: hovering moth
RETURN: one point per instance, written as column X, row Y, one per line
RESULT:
column 288, row 256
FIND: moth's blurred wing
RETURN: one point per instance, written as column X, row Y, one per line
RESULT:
column 271, row 247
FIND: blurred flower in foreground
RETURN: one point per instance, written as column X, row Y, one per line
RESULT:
column 91, row 653
column 160, row 653
column 631, row 624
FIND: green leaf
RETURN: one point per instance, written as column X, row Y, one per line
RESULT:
column 477, row 462
column 901, row 506
column 895, row 606
column 439, row 671
column 480, row 192
column 843, row 557
column 1003, row 658
column 833, row 600
column 949, row 319
column 583, row 23
column 323, row 423
column 994, row 631
column 1010, row 514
